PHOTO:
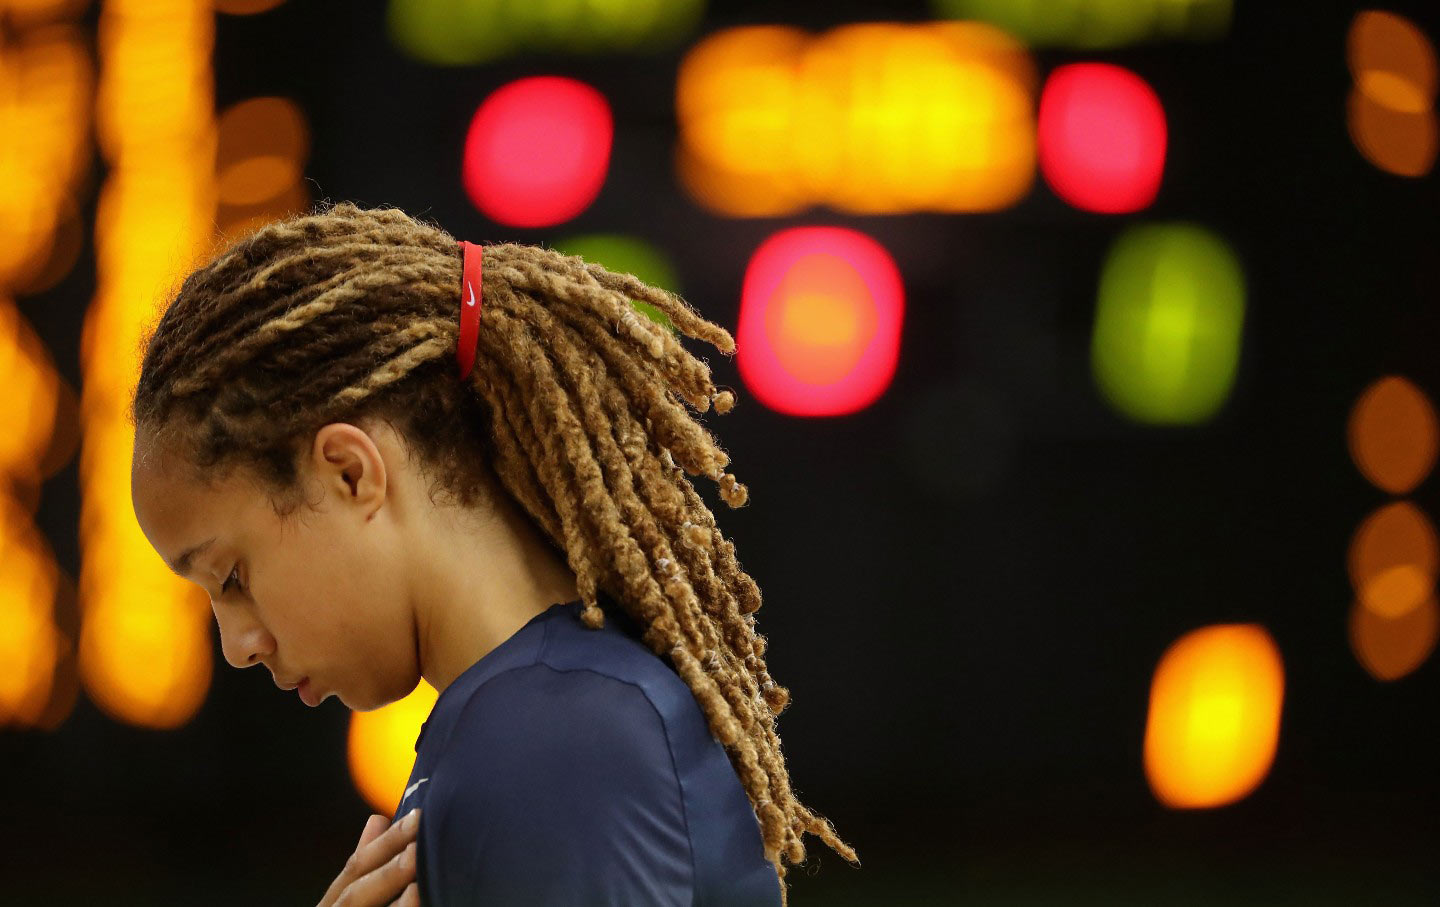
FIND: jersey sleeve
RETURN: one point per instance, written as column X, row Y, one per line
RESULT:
column 559, row 788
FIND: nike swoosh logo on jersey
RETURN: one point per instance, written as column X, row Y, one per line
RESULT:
column 411, row 789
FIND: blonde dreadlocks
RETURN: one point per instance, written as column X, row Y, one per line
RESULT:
column 574, row 402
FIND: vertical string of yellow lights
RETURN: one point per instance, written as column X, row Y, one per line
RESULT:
column 46, row 85
column 145, row 654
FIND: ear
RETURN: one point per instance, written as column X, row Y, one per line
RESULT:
column 348, row 463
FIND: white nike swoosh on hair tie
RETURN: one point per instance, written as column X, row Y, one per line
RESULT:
column 471, row 300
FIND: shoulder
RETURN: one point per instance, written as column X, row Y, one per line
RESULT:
column 539, row 724
column 542, row 759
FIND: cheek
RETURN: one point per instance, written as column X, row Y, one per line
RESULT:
column 322, row 563
column 341, row 597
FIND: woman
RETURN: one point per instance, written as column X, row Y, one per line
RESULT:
column 524, row 538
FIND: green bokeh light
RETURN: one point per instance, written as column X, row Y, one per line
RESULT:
column 626, row 255
column 1168, row 324
column 468, row 32
column 1095, row 24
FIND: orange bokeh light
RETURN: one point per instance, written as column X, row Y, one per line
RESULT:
column 868, row 118
column 1393, row 434
column 380, row 747
column 1390, row 111
column 1393, row 559
column 1391, row 647
column 1214, row 719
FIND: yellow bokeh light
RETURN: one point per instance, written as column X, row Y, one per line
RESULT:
column 381, row 747
column 145, row 652
column 735, row 98
column 868, row 118
column 46, row 90
column 30, row 644
column 145, row 659
column 27, row 406
column 1214, row 718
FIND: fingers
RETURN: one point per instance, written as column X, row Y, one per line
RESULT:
column 410, row 897
column 373, row 826
column 378, row 859
column 382, row 884
column 389, row 842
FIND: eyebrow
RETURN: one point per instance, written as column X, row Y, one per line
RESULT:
column 181, row 565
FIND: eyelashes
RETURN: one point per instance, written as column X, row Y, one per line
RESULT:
column 233, row 577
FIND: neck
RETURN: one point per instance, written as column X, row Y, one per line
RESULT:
column 483, row 576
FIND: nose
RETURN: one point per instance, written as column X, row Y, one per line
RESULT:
column 243, row 640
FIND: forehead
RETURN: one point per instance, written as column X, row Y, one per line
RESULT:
column 176, row 510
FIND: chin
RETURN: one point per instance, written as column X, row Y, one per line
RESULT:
column 359, row 706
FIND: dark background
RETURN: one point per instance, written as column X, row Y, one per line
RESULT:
column 968, row 584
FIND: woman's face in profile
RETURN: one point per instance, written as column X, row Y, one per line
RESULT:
column 315, row 596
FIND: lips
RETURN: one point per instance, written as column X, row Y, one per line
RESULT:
column 307, row 695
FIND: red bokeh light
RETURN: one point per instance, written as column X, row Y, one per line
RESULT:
column 537, row 151
column 1101, row 136
column 820, row 317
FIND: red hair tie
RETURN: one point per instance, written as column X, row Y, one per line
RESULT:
column 469, row 308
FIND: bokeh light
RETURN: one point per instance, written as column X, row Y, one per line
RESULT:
column 380, row 747
column 28, row 405
column 1214, row 719
column 31, row 647
column 820, row 318
column 1390, row 111
column 868, row 118
column 1388, row 648
column 27, row 14
column 47, row 87
column 1168, row 324
column 1393, row 434
column 263, row 146
column 1102, row 137
column 626, row 255
column 1393, row 559
column 146, row 648
column 1093, row 24
column 245, row 7
column 537, row 151
column 446, row 33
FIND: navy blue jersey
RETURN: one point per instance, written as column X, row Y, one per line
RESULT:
column 572, row 766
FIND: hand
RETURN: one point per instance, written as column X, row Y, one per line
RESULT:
column 381, row 871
